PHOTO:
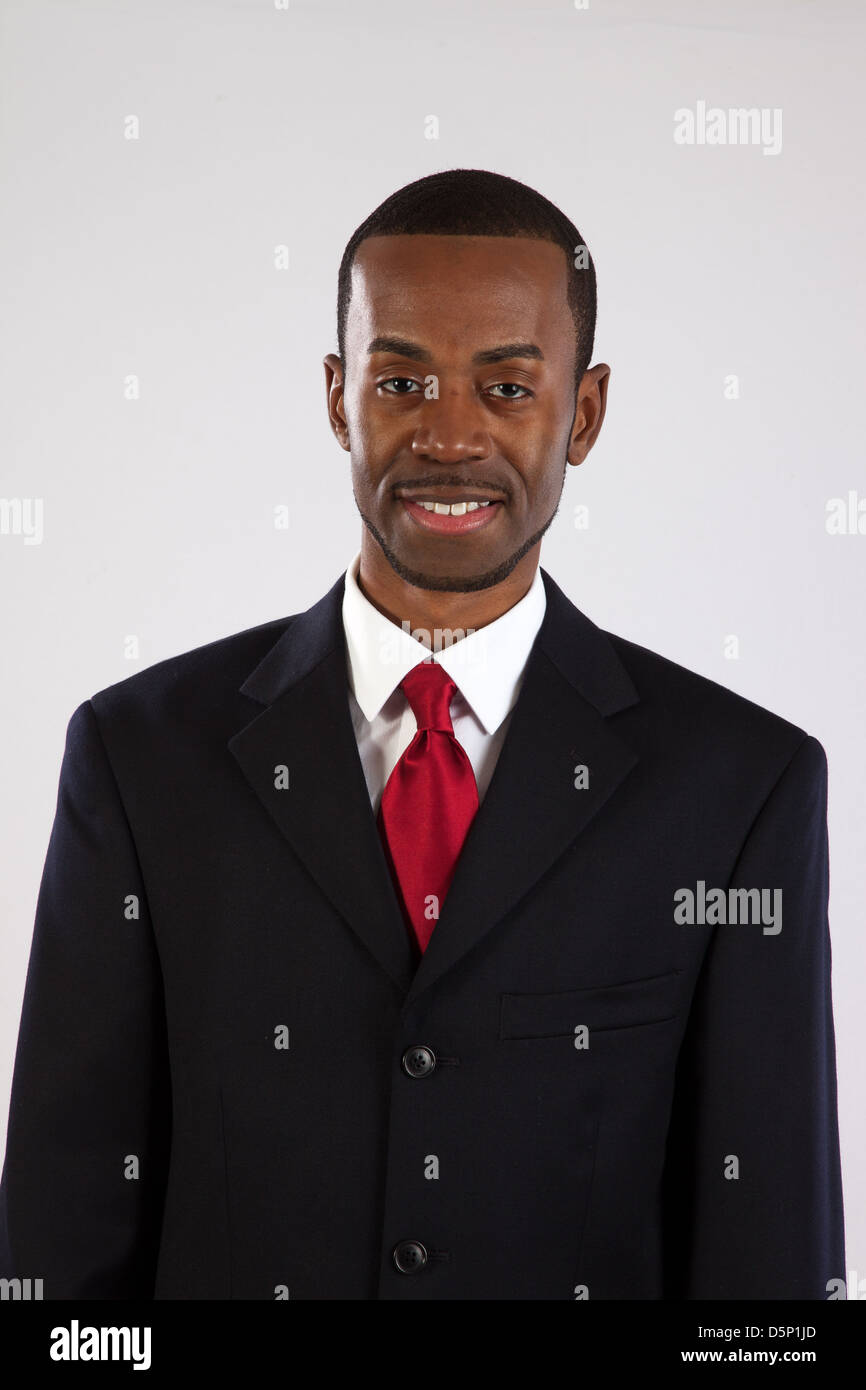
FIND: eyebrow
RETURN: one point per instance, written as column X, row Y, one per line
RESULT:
column 405, row 348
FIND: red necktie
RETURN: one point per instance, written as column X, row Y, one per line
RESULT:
column 428, row 803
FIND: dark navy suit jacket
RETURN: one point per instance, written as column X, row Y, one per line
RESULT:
column 217, row 1090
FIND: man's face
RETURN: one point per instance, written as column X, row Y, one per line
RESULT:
column 459, row 388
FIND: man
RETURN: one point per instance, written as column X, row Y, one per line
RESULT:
column 433, row 943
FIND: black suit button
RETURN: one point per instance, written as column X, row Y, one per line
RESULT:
column 419, row 1060
column 409, row 1256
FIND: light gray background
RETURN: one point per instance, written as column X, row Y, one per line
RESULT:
column 262, row 126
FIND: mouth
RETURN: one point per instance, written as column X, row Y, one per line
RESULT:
column 453, row 516
column 451, row 512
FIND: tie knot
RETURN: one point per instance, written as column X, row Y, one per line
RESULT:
column 429, row 690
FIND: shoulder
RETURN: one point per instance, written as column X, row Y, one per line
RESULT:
column 665, row 704
column 200, row 685
column 709, row 718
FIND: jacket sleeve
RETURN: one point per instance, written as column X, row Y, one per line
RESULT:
column 753, row 1193
column 89, row 1116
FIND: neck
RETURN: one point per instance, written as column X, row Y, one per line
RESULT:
column 434, row 610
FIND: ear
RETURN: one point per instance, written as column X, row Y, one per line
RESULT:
column 589, row 412
column 334, row 393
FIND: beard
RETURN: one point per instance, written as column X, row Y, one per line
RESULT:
column 460, row 584
column 456, row 584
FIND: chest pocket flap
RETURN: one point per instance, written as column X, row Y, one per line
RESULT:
column 631, row 1004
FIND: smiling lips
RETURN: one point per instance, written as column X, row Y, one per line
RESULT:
column 453, row 518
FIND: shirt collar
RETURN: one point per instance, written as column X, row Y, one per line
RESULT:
column 487, row 666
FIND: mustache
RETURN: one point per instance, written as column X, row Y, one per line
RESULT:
column 475, row 483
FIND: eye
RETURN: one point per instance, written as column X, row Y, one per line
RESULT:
column 405, row 380
column 511, row 386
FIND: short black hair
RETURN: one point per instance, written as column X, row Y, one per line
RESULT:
column 476, row 202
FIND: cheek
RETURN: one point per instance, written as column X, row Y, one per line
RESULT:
column 374, row 442
column 368, row 458
column 542, row 467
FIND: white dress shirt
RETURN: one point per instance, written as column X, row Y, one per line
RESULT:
column 487, row 666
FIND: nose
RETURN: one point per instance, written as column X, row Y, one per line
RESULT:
column 451, row 431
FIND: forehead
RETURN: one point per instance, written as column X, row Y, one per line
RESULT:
column 456, row 283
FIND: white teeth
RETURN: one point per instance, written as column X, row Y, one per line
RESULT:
column 453, row 508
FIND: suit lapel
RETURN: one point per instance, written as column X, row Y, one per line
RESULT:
column 325, row 813
column 531, row 813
